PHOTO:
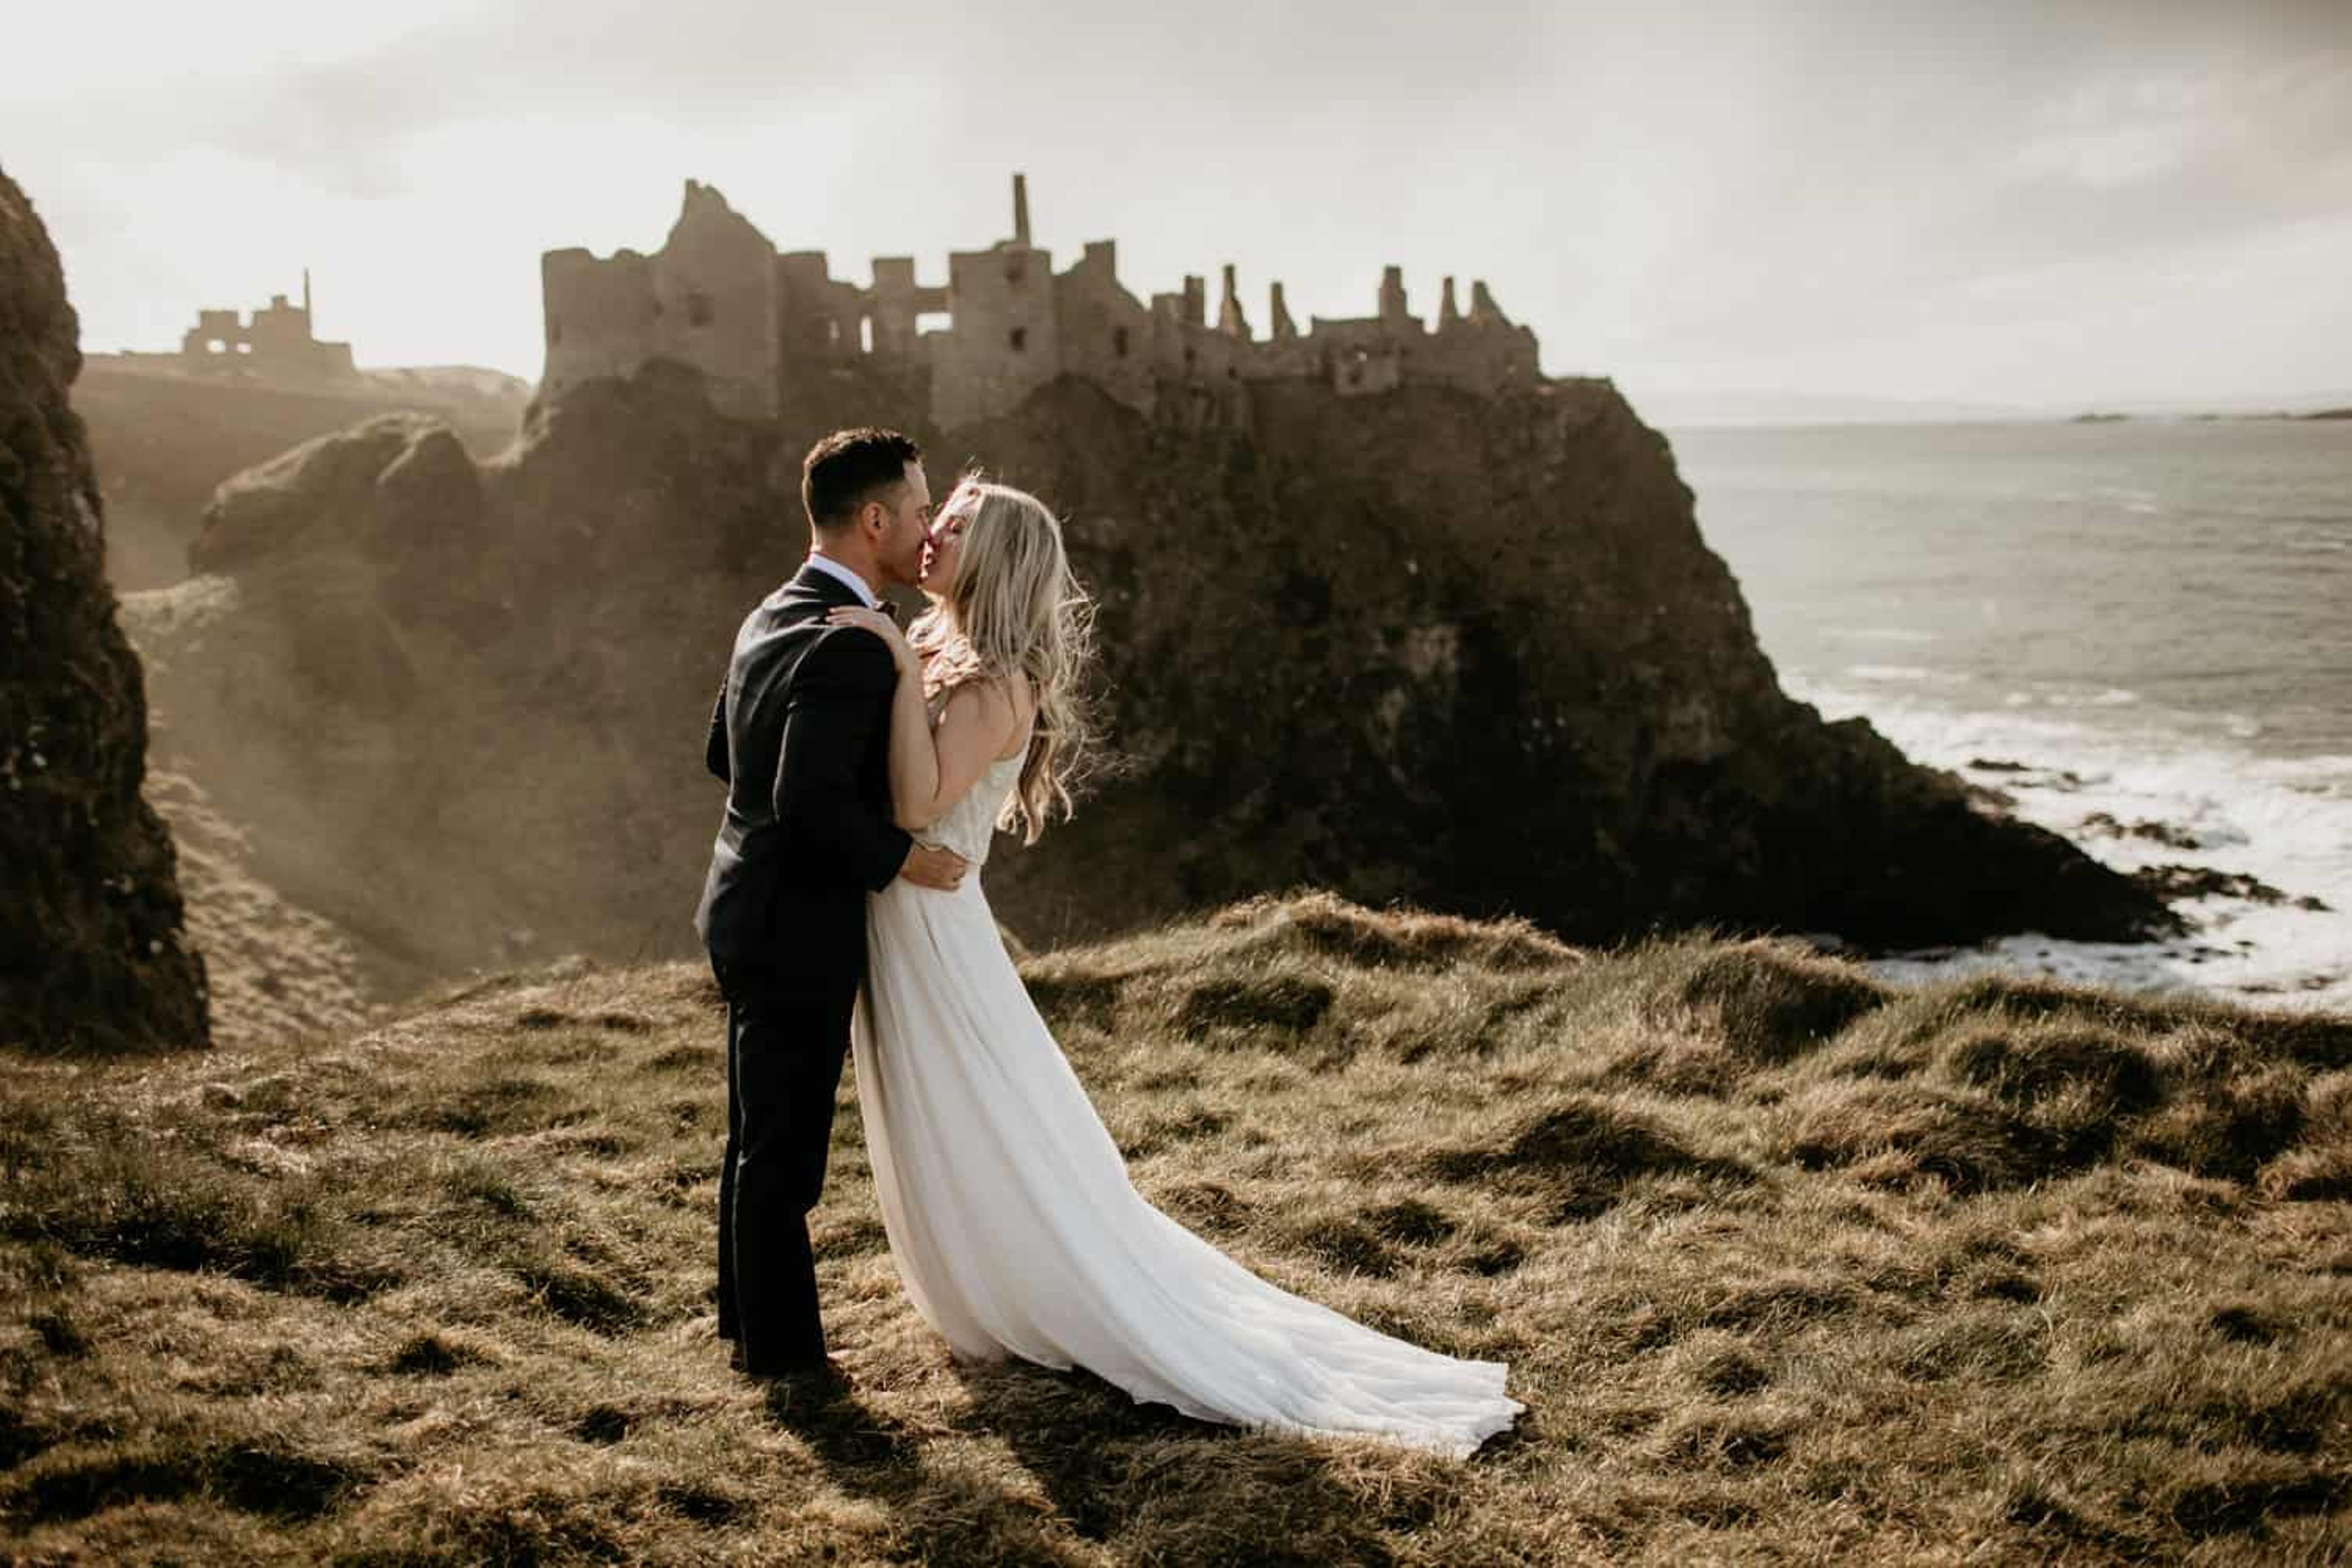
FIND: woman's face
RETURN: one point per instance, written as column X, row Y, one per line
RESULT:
column 946, row 543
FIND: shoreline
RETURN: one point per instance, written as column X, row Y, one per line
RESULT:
column 2270, row 923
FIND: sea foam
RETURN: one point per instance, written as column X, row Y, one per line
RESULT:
column 2286, row 821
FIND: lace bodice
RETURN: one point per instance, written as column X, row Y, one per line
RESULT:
column 970, row 822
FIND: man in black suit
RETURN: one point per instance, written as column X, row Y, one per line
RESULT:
column 800, row 738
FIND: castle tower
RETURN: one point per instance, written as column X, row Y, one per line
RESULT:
column 1393, row 306
column 1229, row 319
column 1196, row 301
column 1278, row 317
column 1021, row 209
column 1448, row 313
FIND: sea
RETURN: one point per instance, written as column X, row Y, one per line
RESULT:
column 2140, row 630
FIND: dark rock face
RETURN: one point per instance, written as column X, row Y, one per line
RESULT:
column 92, row 955
column 1425, row 646
column 1475, row 655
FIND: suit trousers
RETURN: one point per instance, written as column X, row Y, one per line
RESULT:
column 787, row 1037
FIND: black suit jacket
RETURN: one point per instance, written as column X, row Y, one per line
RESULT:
column 801, row 736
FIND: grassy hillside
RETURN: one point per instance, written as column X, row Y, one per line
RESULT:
column 1788, row 1265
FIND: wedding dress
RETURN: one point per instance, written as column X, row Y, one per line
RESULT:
column 1017, row 1230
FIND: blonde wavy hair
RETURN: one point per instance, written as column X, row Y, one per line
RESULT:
column 1013, row 605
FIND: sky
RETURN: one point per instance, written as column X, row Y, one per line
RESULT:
column 2083, row 201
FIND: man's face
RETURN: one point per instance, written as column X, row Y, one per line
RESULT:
column 906, row 522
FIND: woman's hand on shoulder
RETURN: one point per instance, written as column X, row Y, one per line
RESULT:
column 902, row 653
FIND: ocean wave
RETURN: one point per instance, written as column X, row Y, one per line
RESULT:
column 1907, row 674
column 2071, row 696
column 1882, row 634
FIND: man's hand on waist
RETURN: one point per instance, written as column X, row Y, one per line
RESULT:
column 941, row 870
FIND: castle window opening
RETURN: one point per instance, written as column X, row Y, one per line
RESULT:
column 866, row 334
column 1016, row 267
column 1119, row 343
column 698, row 309
column 1190, row 356
column 215, row 347
column 1020, row 339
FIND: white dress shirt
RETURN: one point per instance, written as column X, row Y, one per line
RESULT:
column 836, row 571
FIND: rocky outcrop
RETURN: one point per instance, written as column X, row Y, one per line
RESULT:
column 1470, row 654
column 1474, row 654
column 165, row 440
column 93, row 952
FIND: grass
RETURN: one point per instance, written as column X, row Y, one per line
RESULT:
column 1789, row 1265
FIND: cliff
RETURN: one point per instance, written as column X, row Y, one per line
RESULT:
column 93, row 952
column 1468, row 653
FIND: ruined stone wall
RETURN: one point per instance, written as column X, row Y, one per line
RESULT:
column 1361, row 355
column 895, row 307
column 1105, row 332
column 599, row 316
column 1006, row 342
column 707, row 299
column 1486, row 357
column 715, row 303
column 767, row 328
column 807, row 319
column 277, row 338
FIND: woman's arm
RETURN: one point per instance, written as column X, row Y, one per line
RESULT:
column 932, row 769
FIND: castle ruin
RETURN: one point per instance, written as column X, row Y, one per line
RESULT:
column 763, row 325
column 276, row 340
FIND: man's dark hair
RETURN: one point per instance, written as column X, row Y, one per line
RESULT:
column 842, row 471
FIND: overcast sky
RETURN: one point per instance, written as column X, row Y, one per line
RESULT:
column 1970, row 199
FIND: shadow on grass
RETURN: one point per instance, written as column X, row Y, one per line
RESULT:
column 1162, row 1487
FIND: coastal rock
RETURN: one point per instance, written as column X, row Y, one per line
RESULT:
column 93, row 955
column 1465, row 652
column 2178, row 882
column 2171, row 837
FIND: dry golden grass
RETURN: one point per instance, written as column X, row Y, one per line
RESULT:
column 1789, row 1265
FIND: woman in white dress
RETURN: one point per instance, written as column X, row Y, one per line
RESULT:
column 1011, row 1216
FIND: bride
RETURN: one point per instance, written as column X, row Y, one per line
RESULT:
column 1010, row 1213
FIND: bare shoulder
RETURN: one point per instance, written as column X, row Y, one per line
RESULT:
column 1000, row 709
column 996, row 702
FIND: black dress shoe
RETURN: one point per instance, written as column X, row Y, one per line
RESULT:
column 826, row 1377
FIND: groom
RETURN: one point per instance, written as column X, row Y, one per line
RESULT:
column 801, row 739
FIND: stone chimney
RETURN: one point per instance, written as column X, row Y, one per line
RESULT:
column 1196, row 301
column 1020, row 210
column 1448, row 314
column 1393, row 306
column 1279, row 312
column 1229, row 319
